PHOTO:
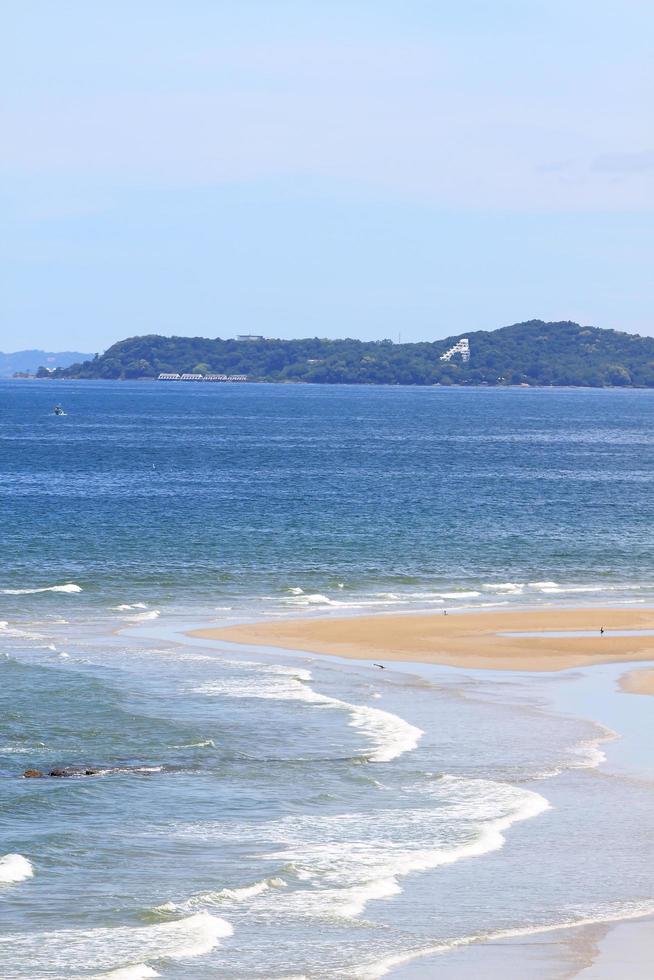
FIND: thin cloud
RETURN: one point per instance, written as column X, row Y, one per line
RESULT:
column 637, row 162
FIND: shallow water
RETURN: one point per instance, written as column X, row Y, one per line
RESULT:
column 257, row 814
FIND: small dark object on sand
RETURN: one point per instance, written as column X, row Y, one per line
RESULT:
column 381, row 666
column 32, row 774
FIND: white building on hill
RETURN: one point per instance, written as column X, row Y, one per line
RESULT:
column 462, row 347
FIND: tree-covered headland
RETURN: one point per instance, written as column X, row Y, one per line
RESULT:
column 534, row 353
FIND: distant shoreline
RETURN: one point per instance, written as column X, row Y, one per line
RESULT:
column 354, row 384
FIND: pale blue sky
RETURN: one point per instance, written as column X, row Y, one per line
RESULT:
column 323, row 167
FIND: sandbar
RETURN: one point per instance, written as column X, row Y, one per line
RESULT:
column 638, row 681
column 474, row 640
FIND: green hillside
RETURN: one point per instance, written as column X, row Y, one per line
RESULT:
column 535, row 353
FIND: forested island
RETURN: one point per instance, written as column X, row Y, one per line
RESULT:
column 531, row 353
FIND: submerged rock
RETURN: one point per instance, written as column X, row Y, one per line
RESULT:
column 70, row 771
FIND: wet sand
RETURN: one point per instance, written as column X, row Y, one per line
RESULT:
column 598, row 951
column 602, row 951
column 474, row 640
column 638, row 681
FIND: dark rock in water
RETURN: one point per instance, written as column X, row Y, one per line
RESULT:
column 59, row 773
column 62, row 773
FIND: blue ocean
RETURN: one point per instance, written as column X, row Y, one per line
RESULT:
column 251, row 813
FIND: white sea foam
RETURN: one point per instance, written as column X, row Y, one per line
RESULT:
column 390, row 735
column 146, row 769
column 556, row 588
column 351, row 859
column 69, row 587
column 144, row 616
column 588, row 753
column 296, row 591
column 511, row 587
column 457, row 595
column 250, row 891
column 138, row 972
column 208, row 743
column 618, row 913
column 341, row 862
column 126, row 606
column 24, row 634
column 562, row 589
column 225, row 896
column 14, row 868
column 303, row 600
column 271, row 689
column 70, row 951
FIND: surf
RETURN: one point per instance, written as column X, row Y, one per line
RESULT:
column 108, row 950
column 15, row 868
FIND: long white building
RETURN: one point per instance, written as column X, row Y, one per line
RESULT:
column 202, row 377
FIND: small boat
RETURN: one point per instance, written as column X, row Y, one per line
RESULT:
column 58, row 410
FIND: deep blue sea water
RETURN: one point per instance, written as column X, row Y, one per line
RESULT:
column 269, row 816
column 233, row 493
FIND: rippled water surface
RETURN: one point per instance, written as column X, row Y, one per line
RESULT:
column 250, row 814
column 382, row 496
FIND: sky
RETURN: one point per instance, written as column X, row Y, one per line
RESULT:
column 293, row 168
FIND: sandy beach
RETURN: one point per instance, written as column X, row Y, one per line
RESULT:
column 493, row 640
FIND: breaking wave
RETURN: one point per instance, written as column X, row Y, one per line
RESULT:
column 139, row 972
column 14, row 868
column 341, row 862
column 69, row 587
column 113, row 952
column 390, row 735
column 225, row 896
